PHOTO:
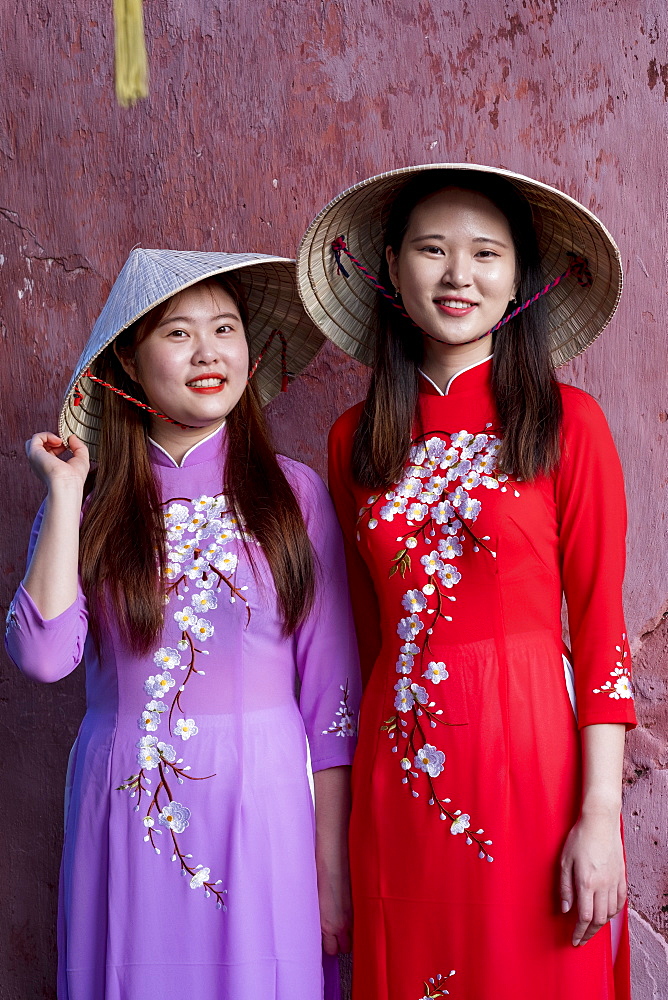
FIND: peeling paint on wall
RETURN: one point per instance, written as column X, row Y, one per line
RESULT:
column 258, row 114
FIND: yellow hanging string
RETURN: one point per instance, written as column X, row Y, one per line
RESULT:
column 131, row 61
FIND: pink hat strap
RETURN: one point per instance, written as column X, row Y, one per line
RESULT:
column 579, row 268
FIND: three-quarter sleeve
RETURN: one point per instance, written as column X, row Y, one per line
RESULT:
column 325, row 646
column 363, row 594
column 592, row 531
column 45, row 649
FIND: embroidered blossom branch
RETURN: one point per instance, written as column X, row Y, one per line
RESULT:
column 344, row 724
column 620, row 686
column 432, row 498
column 197, row 534
column 436, row 987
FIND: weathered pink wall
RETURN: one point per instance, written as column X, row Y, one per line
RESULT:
column 259, row 113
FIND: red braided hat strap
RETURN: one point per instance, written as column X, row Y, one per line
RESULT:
column 77, row 395
column 77, row 398
column 284, row 358
column 579, row 267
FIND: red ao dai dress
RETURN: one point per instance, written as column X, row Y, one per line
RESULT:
column 467, row 776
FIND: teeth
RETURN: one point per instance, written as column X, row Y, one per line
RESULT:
column 205, row 383
column 452, row 304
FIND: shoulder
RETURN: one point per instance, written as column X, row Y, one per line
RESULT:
column 581, row 412
column 340, row 444
column 344, row 428
column 306, row 484
column 586, row 436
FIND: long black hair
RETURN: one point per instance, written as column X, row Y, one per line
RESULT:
column 523, row 380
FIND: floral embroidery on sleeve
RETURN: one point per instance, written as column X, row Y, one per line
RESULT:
column 436, row 987
column 620, row 686
column 197, row 532
column 433, row 499
column 345, row 724
column 11, row 621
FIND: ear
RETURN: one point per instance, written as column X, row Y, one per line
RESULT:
column 393, row 266
column 128, row 363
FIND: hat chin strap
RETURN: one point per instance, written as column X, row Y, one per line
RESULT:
column 579, row 267
column 77, row 395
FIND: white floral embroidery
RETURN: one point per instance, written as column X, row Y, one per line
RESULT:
column 198, row 880
column 428, row 500
column 620, row 687
column 158, row 685
column 344, row 724
column 174, row 816
column 396, row 506
column 11, row 621
column 409, row 627
column 204, row 601
column 436, row 672
column 202, row 629
column 211, row 567
column 435, row 987
column 430, row 760
column 185, row 728
column 167, row 658
column 414, row 600
column 461, row 824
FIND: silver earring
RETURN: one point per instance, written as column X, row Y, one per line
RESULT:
column 397, row 293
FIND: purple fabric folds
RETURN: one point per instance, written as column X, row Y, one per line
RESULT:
column 188, row 864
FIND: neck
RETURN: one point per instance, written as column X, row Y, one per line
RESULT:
column 177, row 441
column 442, row 361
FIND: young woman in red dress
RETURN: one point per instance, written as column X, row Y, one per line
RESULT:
column 475, row 491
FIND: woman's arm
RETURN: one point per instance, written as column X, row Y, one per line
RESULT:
column 52, row 577
column 332, row 809
column 592, row 862
column 48, row 619
column 592, row 527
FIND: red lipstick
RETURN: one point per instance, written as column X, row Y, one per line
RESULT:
column 207, row 390
column 464, row 309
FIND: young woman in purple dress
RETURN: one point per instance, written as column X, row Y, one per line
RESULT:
column 201, row 579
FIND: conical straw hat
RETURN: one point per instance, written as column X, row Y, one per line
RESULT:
column 344, row 309
column 151, row 276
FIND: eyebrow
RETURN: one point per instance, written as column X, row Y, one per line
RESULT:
column 476, row 239
column 188, row 319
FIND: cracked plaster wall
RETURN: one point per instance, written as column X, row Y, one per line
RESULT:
column 259, row 114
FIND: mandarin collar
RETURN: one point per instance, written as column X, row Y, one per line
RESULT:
column 475, row 376
column 206, row 450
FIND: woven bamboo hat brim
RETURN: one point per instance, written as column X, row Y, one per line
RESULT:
column 344, row 309
column 152, row 276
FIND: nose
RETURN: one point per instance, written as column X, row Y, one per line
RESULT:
column 206, row 351
column 457, row 272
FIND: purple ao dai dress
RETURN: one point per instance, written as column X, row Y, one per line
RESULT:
column 188, row 864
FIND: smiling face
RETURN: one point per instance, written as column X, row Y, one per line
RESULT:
column 193, row 365
column 456, row 268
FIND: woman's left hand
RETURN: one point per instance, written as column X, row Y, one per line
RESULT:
column 335, row 908
column 593, row 873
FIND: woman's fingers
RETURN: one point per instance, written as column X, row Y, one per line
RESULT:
column 44, row 440
column 566, row 884
column 585, row 911
column 595, row 909
column 330, row 944
column 621, row 896
column 45, row 453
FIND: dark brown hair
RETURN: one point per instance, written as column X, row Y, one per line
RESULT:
column 123, row 541
column 523, row 381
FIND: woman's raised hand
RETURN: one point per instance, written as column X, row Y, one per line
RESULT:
column 44, row 451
